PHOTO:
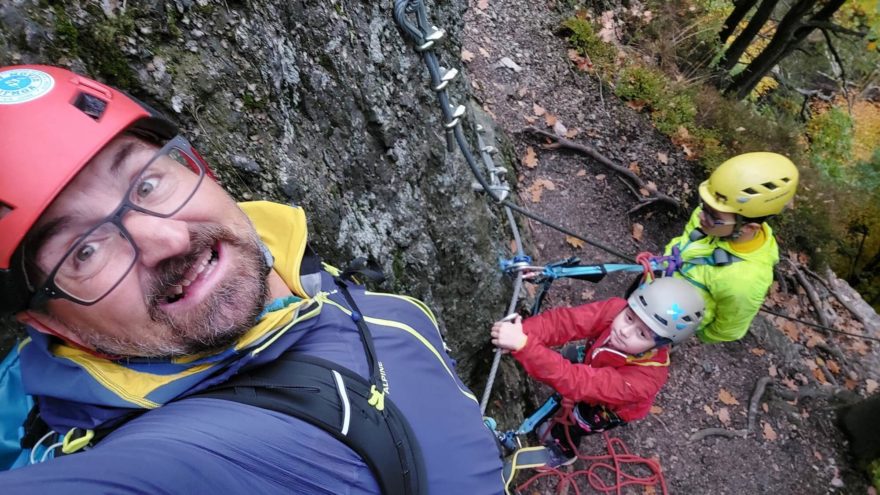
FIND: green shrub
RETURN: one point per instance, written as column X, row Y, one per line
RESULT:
column 831, row 139
column 638, row 83
column 583, row 38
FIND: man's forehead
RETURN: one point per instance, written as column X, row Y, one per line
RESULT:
column 97, row 178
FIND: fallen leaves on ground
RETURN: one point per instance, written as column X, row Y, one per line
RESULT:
column 656, row 410
column 638, row 231
column 650, row 490
column 583, row 63
column 467, row 56
column 550, row 119
column 586, row 294
column 537, row 188
column 530, row 159
column 634, row 168
column 636, row 105
column 724, row 416
column 772, row 371
column 574, row 242
column 559, row 129
column 483, row 4
column 663, row 157
column 727, row 398
column 600, row 177
column 538, row 110
column 870, row 385
column 572, row 133
column 820, row 376
column 769, row 433
column 790, row 329
column 709, row 410
column 833, row 366
column 757, row 351
column 850, row 384
column 581, row 173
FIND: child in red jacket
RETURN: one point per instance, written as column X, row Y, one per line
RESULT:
column 626, row 359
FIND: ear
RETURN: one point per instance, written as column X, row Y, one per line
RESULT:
column 750, row 229
column 44, row 323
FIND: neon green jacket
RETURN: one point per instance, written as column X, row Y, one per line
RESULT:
column 734, row 293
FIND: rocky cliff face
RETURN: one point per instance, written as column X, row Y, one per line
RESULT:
column 320, row 104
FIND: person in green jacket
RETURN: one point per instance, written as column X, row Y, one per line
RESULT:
column 727, row 249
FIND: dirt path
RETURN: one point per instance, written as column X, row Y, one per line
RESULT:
column 795, row 447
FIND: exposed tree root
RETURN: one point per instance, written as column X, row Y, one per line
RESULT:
column 563, row 143
column 760, row 387
column 717, row 432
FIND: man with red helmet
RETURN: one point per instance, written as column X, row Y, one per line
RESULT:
column 147, row 291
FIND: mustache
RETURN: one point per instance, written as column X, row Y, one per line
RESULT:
column 170, row 271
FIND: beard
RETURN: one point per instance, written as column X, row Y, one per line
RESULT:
column 222, row 318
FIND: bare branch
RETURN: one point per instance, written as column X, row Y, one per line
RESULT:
column 717, row 432
column 839, row 64
column 760, row 386
column 835, row 28
column 811, row 294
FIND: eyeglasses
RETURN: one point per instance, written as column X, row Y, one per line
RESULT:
column 713, row 215
column 102, row 256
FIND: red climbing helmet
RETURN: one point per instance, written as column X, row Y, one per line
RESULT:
column 53, row 123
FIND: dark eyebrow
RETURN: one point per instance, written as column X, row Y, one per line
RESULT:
column 121, row 156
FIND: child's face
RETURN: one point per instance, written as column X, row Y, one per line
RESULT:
column 629, row 334
column 717, row 223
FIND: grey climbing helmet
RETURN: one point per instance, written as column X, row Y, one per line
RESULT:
column 670, row 306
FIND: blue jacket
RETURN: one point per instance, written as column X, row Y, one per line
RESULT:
column 203, row 445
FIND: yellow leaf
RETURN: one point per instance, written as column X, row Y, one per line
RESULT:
column 530, row 159
column 538, row 110
column 727, row 398
column 574, row 242
column 638, row 231
column 538, row 187
column 656, row 410
column 758, row 352
column 769, row 434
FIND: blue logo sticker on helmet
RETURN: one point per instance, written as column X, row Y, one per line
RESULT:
column 23, row 85
column 675, row 311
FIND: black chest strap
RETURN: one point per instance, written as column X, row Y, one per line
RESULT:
column 335, row 399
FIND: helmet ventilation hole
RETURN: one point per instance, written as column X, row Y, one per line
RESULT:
column 90, row 105
column 769, row 185
column 661, row 320
column 5, row 209
column 749, row 190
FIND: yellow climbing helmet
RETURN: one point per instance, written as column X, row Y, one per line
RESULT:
column 753, row 185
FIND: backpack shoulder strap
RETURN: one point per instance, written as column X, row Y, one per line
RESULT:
column 336, row 400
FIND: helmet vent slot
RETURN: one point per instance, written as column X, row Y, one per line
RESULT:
column 687, row 318
column 749, row 190
column 769, row 185
column 661, row 320
column 5, row 209
column 90, row 105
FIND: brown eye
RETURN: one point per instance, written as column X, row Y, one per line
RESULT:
column 84, row 253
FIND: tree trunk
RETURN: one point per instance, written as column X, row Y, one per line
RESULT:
column 740, row 9
column 790, row 33
column 746, row 80
column 742, row 42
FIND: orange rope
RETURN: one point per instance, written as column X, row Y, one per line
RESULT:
column 614, row 462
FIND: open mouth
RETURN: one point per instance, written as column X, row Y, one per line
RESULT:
column 200, row 269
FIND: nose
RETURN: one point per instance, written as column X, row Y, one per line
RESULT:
column 157, row 238
column 625, row 330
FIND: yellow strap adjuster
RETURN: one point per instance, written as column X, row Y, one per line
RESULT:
column 377, row 398
column 76, row 439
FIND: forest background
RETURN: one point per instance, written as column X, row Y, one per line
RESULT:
column 796, row 77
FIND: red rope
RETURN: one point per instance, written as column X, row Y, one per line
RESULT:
column 614, row 462
column 644, row 259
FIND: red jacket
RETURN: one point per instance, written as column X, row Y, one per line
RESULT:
column 625, row 384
